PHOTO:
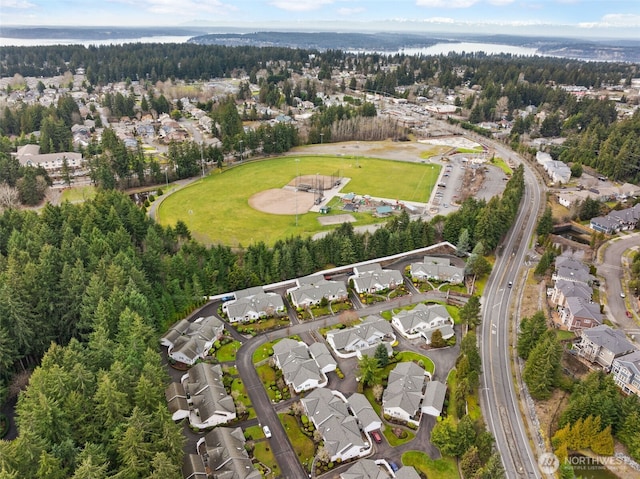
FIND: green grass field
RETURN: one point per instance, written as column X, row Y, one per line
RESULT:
column 78, row 194
column 216, row 209
column 444, row 468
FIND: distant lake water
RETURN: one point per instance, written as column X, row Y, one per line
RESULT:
column 466, row 47
column 33, row 42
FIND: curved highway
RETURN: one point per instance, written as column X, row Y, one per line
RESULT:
column 498, row 399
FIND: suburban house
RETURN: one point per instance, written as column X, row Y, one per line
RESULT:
column 569, row 268
column 433, row 268
column 329, row 412
column 372, row 278
column 434, row 395
column 362, row 339
column 29, row 155
column 253, row 303
column 378, row 469
column 363, row 410
column 603, row 344
column 626, row 372
column 313, row 289
column 300, row 369
column 617, row 220
column 208, row 400
column 405, row 389
column 558, row 171
column 422, row 321
column 177, row 401
column 193, row 467
column 224, row 453
column 564, row 289
column 580, row 314
column 187, row 342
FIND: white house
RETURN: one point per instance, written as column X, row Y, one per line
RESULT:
column 312, row 290
column 434, row 395
column 433, row 268
column 363, row 410
column 187, row 342
column 405, row 389
column 299, row 369
column 253, row 303
column 626, row 372
column 372, row 278
column 422, row 321
column 367, row 335
column 208, row 400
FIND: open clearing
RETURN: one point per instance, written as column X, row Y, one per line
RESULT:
column 217, row 208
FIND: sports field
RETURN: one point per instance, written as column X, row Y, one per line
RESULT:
column 216, row 209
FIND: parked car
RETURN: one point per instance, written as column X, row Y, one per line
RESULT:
column 628, row 313
column 622, row 295
column 394, row 466
column 376, row 436
column 267, row 431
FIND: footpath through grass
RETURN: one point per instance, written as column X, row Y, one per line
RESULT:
column 216, row 209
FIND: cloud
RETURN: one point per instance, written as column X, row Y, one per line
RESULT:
column 350, row 11
column 300, row 5
column 179, row 8
column 614, row 20
column 500, row 3
column 22, row 4
column 446, row 3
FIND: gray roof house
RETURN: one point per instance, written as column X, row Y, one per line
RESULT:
column 367, row 469
column 571, row 269
column 313, row 289
column 193, row 467
column 224, row 453
column 603, row 344
column 372, row 278
column 29, row 155
column 253, row 304
column 340, row 431
column 617, row 220
column 422, row 321
column 434, row 395
column 209, row 402
column 433, row 268
column 349, row 342
column 363, row 410
column 407, row 472
column 299, row 369
column 405, row 389
column 564, row 289
column 626, row 372
column 189, row 341
column 321, row 354
column 604, row 224
column 177, row 401
column 580, row 314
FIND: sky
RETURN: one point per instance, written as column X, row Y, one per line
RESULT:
column 615, row 18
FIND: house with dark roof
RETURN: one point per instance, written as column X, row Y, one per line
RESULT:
column 177, row 401
column 252, row 304
column 402, row 398
column 564, row 289
column 225, row 455
column 340, row 430
column 580, row 314
column 571, row 269
column 209, row 402
column 433, row 400
column 626, row 372
column 300, row 370
column 312, row 290
column 193, row 467
column 367, row 469
column 187, row 342
column 422, row 321
column 434, row 268
column 372, row 278
column 617, row 220
column 361, row 338
column 602, row 344
column 363, row 410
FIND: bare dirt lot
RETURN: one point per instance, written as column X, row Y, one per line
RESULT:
column 335, row 219
column 282, row 201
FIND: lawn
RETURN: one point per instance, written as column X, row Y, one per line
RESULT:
column 500, row 163
column 78, row 193
column 264, row 454
column 395, row 441
column 302, row 444
column 405, row 356
column 238, row 385
column 228, row 352
column 565, row 335
column 216, row 208
column 444, row 468
column 263, row 352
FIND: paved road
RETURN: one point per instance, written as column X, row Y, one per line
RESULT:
column 611, row 269
column 499, row 402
